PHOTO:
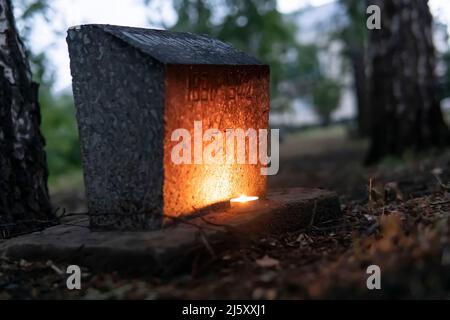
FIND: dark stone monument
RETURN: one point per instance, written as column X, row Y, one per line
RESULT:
column 132, row 88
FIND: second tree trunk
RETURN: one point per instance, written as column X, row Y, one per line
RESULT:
column 405, row 111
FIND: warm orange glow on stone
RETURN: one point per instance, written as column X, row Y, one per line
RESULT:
column 222, row 97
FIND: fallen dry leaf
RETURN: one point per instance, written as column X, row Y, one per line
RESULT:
column 267, row 262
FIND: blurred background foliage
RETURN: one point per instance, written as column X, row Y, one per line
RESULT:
column 326, row 94
column 254, row 26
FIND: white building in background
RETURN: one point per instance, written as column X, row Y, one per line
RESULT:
column 315, row 25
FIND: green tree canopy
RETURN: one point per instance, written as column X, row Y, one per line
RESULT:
column 326, row 95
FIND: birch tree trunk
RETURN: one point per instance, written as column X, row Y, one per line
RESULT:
column 404, row 107
column 24, row 198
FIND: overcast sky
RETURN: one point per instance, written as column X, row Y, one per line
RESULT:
column 131, row 13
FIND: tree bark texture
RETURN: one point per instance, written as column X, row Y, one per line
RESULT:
column 404, row 107
column 24, row 194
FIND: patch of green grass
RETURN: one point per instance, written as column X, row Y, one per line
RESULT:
column 335, row 130
column 70, row 181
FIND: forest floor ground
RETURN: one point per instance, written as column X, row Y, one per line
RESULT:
column 395, row 215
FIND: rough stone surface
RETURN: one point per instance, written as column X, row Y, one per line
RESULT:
column 132, row 88
column 172, row 248
column 222, row 97
column 180, row 48
column 119, row 98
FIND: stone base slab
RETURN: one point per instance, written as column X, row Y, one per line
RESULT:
column 173, row 248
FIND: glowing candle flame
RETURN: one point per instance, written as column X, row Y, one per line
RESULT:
column 243, row 199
